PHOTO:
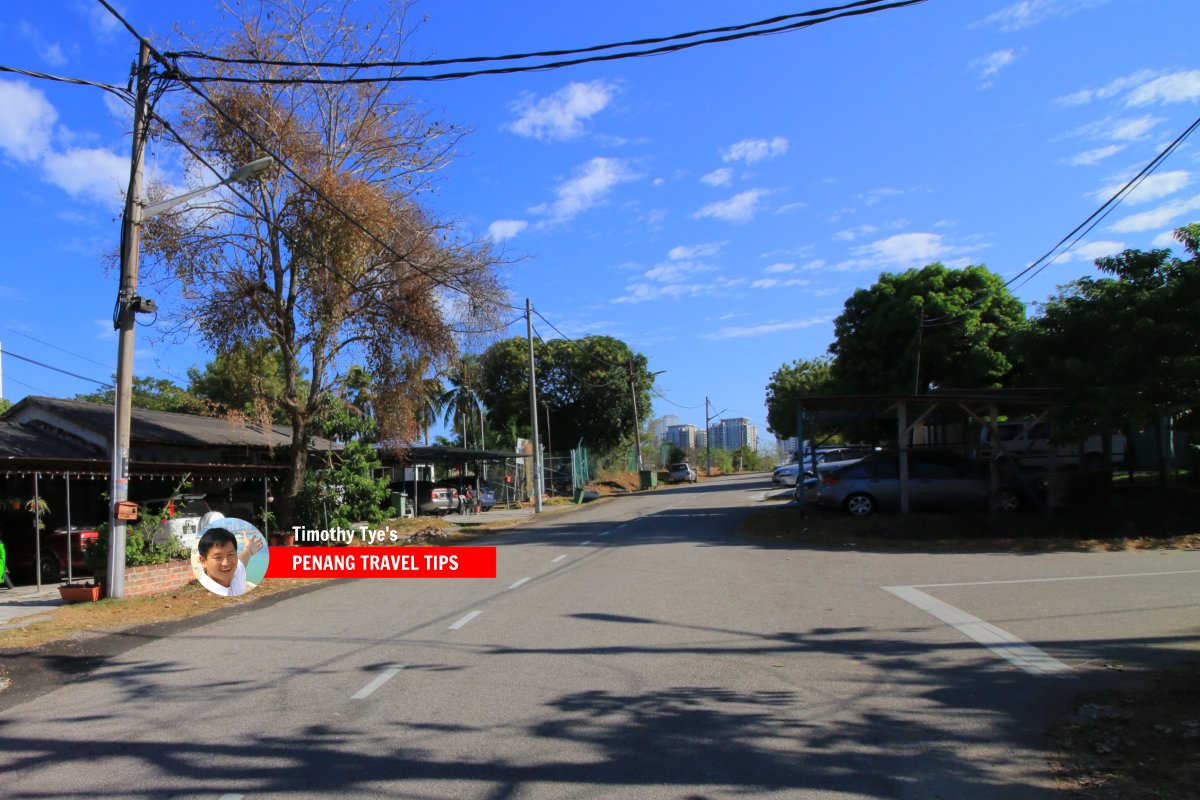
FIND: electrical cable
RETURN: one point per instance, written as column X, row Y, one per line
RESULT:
column 116, row 90
column 555, row 64
column 1083, row 229
column 515, row 56
column 185, row 81
column 55, row 369
column 56, row 347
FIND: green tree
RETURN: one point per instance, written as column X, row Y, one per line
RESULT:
column 460, row 401
column 789, row 383
column 331, row 258
column 1124, row 347
column 959, row 322
column 247, row 378
column 152, row 394
column 588, row 385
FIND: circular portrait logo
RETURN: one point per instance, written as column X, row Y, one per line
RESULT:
column 230, row 557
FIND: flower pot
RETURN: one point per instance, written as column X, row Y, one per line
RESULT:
column 82, row 593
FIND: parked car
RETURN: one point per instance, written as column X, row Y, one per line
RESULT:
column 827, row 459
column 188, row 513
column 1029, row 443
column 431, row 498
column 681, row 473
column 466, row 485
column 937, row 480
column 21, row 549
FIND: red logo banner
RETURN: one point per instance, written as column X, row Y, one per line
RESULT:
column 383, row 562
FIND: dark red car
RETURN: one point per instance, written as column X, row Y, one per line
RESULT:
column 21, row 550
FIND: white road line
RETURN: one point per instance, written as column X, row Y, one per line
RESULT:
column 465, row 620
column 605, row 533
column 1053, row 580
column 520, row 583
column 560, row 558
column 231, row 797
column 585, row 544
column 998, row 640
column 622, row 525
column 366, row 691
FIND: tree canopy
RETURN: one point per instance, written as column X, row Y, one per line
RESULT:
column 329, row 256
column 1126, row 346
column 587, row 386
column 960, row 322
column 789, row 383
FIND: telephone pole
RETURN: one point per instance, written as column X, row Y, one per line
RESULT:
column 127, row 304
column 533, row 413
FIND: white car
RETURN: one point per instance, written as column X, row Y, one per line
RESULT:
column 187, row 515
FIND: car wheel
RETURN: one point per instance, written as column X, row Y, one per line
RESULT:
column 51, row 570
column 860, row 505
column 1007, row 501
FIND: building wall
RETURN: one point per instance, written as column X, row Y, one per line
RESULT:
column 156, row 578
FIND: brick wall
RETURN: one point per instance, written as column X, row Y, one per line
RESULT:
column 155, row 578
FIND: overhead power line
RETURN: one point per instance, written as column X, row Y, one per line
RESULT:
column 124, row 94
column 540, row 54
column 55, row 369
column 448, row 76
column 1076, row 235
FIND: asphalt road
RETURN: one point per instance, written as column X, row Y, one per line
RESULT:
column 631, row 649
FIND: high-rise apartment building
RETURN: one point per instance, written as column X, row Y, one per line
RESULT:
column 730, row 434
column 682, row 436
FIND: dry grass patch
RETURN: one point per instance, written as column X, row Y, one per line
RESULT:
column 106, row 616
column 1137, row 742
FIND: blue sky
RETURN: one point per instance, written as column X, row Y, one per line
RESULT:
column 714, row 208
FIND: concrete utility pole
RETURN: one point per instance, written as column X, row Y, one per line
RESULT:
column 533, row 415
column 126, row 316
column 637, row 426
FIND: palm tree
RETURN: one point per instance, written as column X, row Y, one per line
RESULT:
column 461, row 400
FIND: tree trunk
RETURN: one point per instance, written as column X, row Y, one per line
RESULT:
column 297, row 465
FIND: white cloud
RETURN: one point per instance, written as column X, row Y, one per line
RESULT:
column 751, row 150
column 1090, row 251
column 26, row 121
column 1110, row 89
column 1131, row 130
column 593, row 181
column 741, row 207
column 684, row 252
column 1178, row 87
column 92, row 173
column 1027, row 13
column 782, row 267
column 676, row 271
column 719, row 177
column 1164, row 240
column 850, row 234
column 815, row 264
column 1152, row 188
column 763, row 330
column 773, row 283
column 503, row 229
column 905, row 248
column 1090, row 157
column 1159, row 217
column 788, row 207
column 876, row 196
column 989, row 66
column 560, row 116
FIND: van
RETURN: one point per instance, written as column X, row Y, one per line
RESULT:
column 1029, row 443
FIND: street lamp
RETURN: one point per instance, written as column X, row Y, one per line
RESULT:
column 129, row 305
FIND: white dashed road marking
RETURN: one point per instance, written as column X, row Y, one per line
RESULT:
column 556, row 560
column 465, row 620
column 520, row 583
column 366, row 691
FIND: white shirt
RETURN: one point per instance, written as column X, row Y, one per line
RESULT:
column 236, row 586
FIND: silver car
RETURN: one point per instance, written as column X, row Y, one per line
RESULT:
column 937, row 481
column 682, row 473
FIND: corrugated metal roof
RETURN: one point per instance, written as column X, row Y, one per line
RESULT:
column 164, row 427
column 18, row 441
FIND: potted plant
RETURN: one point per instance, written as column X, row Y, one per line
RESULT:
column 80, row 592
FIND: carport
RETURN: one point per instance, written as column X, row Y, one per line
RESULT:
column 446, row 457
column 942, row 418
